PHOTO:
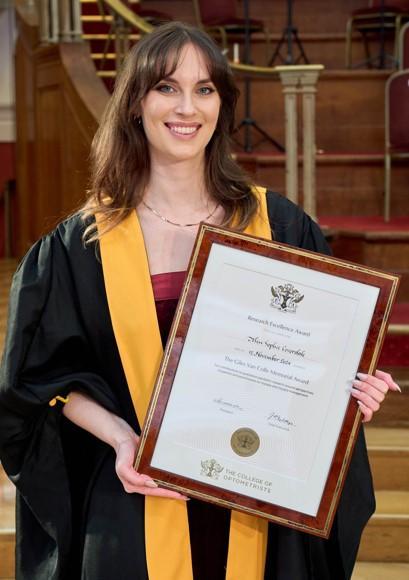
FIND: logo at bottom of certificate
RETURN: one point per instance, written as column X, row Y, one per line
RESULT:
column 245, row 442
column 211, row 468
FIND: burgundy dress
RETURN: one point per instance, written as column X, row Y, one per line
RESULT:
column 208, row 524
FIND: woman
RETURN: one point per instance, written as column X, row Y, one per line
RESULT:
column 85, row 338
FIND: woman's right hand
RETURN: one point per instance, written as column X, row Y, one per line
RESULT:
column 113, row 430
column 133, row 481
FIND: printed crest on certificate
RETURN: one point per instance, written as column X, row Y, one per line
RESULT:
column 252, row 409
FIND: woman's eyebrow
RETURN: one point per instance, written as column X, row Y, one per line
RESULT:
column 199, row 82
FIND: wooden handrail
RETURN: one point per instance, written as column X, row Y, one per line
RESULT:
column 130, row 17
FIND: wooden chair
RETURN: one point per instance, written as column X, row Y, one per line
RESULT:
column 404, row 47
column 370, row 19
column 396, row 127
column 219, row 18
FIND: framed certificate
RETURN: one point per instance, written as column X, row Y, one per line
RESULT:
column 252, row 408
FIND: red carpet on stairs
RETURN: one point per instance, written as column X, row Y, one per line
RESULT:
column 400, row 313
column 365, row 223
column 395, row 350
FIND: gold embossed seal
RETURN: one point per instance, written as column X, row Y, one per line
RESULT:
column 245, row 442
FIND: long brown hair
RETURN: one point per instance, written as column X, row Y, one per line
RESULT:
column 120, row 161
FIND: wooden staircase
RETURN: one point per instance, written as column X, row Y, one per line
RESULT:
column 384, row 550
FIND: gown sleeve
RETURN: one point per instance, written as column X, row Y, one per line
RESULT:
column 357, row 502
column 47, row 353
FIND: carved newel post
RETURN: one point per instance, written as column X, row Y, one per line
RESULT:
column 300, row 79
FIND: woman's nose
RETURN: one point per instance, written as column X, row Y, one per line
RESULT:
column 186, row 104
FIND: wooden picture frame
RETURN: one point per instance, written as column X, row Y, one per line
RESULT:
column 305, row 303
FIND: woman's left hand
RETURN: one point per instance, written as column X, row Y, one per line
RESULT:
column 370, row 391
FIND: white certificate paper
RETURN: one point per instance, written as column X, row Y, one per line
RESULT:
column 264, row 378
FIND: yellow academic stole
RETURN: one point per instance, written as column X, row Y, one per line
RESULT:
column 133, row 314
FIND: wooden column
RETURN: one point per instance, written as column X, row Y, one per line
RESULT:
column 308, row 82
column 54, row 15
column 300, row 79
column 76, row 21
column 44, row 21
column 290, row 81
column 60, row 20
column 65, row 20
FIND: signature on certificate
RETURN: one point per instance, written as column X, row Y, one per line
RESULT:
column 275, row 417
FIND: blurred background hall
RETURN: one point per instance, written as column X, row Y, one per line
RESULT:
column 323, row 118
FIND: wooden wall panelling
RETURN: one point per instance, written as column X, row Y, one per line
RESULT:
column 74, row 162
column 323, row 37
column 385, row 250
column 65, row 131
column 80, row 86
column 25, row 131
column 327, row 48
column 350, row 110
column 59, row 102
column 309, row 15
column 49, row 143
column 267, row 109
column 354, row 186
column 346, row 184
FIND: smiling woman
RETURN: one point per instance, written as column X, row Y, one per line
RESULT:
column 180, row 114
column 173, row 103
column 91, row 307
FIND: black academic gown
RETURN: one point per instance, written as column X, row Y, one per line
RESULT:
column 74, row 521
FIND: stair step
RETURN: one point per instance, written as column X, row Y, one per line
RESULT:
column 399, row 329
column 348, row 184
column 394, row 412
column 7, row 557
column 7, row 527
column 389, row 457
column 107, row 74
column 386, row 537
column 380, row 571
column 101, row 55
column 104, row 36
column 96, row 18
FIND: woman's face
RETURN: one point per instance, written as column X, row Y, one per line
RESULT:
column 180, row 113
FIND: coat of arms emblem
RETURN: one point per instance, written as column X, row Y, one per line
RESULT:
column 211, row 468
column 286, row 297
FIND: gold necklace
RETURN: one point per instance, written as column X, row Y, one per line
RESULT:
column 159, row 215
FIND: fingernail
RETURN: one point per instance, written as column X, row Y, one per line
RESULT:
column 398, row 387
column 355, row 391
column 361, row 405
column 150, row 483
column 362, row 376
column 356, row 382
